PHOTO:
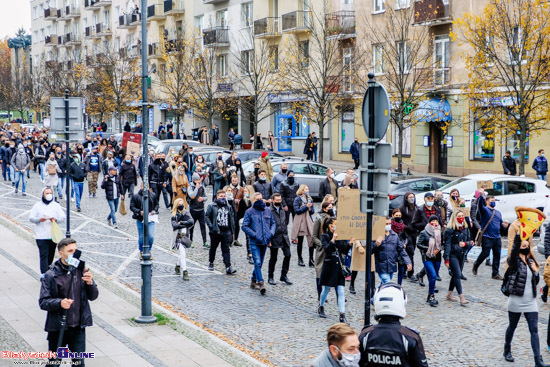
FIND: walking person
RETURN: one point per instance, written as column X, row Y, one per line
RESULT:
column 523, row 272
column 288, row 190
column 329, row 186
column 302, row 225
column 43, row 214
column 315, row 144
column 136, row 207
column 113, row 188
column 182, row 226
column 263, row 186
column 398, row 227
column 354, row 151
column 40, row 154
column 265, row 164
column 280, row 241
column 220, row 220
column 457, row 238
column 59, row 297
column 180, row 183
column 326, row 212
column 509, row 164
column 77, row 171
column 408, row 209
column 51, row 177
column 93, row 163
column 430, row 245
column 244, row 204
column 235, row 194
column 332, row 274
column 197, row 196
column 230, row 138
column 219, row 178
column 270, row 142
column 128, row 177
column 20, row 163
column 386, row 251
column 259, row 225
column 540, row 165
column 62, row 164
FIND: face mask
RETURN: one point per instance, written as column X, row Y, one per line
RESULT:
column 221, row 201
column 542, row 155
column 128, row 161
column 199, row 160
column 524, row 251
column 219, row 158
column 21, row 150
column 290, row 180
column 229, row 196
column 460, row 220
column 25, row 145
column 277, row 203
column 434, row 225
column 49, row 197
column 454, row 197
column 76, row 160
column 410, row 200
column 349, row 360
column 180, row 207
column 387, row 227
column 398, row 219
column 493, row 204
column 429, row 204
column 330, row 212
column 283, row 170
column 246, row 195
column 306, row 192
column 462, row 205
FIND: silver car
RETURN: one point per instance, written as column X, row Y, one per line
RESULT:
column 306, row 172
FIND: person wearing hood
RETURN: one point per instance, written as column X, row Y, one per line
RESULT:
column 220, row 219
column 128, row 177
column 77, row 171
column 386, row 251
column 288, row 190
column 20, row 162
column 112, row 186
column 51, row 177
column 43, row 214
column 408, row 209
column 259, row 226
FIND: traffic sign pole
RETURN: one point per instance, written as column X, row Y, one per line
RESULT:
column 68, row 164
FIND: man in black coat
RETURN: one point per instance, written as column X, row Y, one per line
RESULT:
column 113, row 188
column 56, row 299
column 288, row 190
column 128, row 176
column 136, row 207
column 157, row 176
column 279, row 241
column 263, row 186
column 329, row 186
column 220, row 219
column 509, row 164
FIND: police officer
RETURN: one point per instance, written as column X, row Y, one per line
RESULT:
column 389, row 343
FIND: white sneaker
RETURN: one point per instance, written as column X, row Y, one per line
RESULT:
column 73, row 200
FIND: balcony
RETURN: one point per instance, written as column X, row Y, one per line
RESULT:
column 432, row 12
column 296, row 21
column 91, row 4
column 59, row 14
column 72, row 12
column 213, row 1
column 216, row 37
column 100, row 3
column 51, row 40
column 90, row 32
column 267, row 27
column 175, row 45
column 341, row 24
column 173, row 7
column 50, row 14
column 154, row 51
column 103, row 29
column 72, row 39
column 434, row 78
column 155, row 12
column 129, row 21
column 134, row 52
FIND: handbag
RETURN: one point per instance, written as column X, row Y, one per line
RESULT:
column 479, row 235
column 57, row 235
column 122, row 208
column 346, row 272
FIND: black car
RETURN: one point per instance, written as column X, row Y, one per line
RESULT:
column 414, row 185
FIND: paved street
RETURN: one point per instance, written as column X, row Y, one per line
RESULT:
column 283, row 326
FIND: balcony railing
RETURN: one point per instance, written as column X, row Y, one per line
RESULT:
column 90, row 4
column 175, row 45
column 102, row 29
column 295, row 21
column 213, row 1
column 134, row 52
column 154, row 50
column 128, row 21
column 72, row 39
column 217, row 36
column 267, row 27
column 173, row 7
column 155, row 12
column 51, row 40
column 72, row 11
column 432, row 11
column 50, row 14
column 100, row 3
column 51, row 64
column 434, row 78
column 340, row 24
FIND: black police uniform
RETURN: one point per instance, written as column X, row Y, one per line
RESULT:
column 391, row 344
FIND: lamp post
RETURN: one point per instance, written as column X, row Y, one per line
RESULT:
column 68, row 164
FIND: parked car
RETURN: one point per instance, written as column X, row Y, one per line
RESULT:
column 415, row 185
column 164, row 145
column 247, row 155
column 306, row 172
column 509, row 191
column 339, row 177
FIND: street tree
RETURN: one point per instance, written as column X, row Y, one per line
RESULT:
column 7, row 102
column 507, row 48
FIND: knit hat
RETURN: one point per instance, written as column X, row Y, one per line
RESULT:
column 428, row 195
column 264, row 154
column 432, row 217
column 196, row 177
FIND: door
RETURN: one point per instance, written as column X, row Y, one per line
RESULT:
column 438, row 150
column 285, row 125
column 442, row 154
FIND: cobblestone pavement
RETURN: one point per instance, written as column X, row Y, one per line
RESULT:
column 283, row 325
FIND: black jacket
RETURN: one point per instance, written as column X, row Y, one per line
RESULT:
column 105, row 165
column 452, row 239
column 156, row 173
column 288, row 194
column 108, row 185
column 136, row 204
column 192, row 197
column 182, row 220
column 547, row 241
column 517, row 272
column 77, row 171
column 324, row 188
column 264, row 188
column 420, row 218
column 62, row 163
column 280, row 238
column 128, row 174
column 331, row 273
column 211, row 218
column 51, row 295
column 509, row 164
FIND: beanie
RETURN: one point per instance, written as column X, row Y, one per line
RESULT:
column 264, row 154
column 195, row 177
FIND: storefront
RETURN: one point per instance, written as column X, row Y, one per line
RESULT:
column 291, row 126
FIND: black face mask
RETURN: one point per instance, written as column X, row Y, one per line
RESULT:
column 180, row 207
column 398, row 219
column 524, row 251
column 283, row 170
column 290, row 180
column 276, row 204
column 330, row 212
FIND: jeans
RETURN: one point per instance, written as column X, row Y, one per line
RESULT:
column 455, row 265
column 532, row 322
column 127, row 188
column 541, row 177
column 223, row 239
column 488, row 244
column 150, row 234
column 21, row 176
column 41, row 169
column 385, row 277
column 60, row 185
column 273, row 261
column 258, row 254
column 74, row 337
column 401, row 271
column 198, row 215
column 315, row 154
column 12, row 174
column 113, row 205
column 6, row 171
column 46, row 251
column 340, row 294
column 432, row 267
column 78, row 188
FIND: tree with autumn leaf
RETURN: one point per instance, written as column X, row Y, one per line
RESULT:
column 506, row 53
column 7, row 102
column 37, row 98
column 402, row 55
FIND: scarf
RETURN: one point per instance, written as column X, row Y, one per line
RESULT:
column 435, row 240
column 397, row 227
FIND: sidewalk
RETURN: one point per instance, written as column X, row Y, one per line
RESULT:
column 115, row 339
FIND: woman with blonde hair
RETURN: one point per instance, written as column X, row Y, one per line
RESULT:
column 182, row 225
column 180, row 182
column 303, row 223
column 457, row 238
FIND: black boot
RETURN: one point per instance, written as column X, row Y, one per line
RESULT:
column 343, row 318
column 508, row 353
column 420, row 280
column 539, row 362
column 321, row 312
column 431, row 300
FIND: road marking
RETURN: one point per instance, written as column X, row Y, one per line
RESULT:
column 22, row 214
column 80, row 226
column 125, row 263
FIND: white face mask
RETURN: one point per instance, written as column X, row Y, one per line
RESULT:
column 388, row 227
column 229, row 196
column 49, row 197
column 349, row 360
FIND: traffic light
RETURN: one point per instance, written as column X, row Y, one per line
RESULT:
column 379, row 174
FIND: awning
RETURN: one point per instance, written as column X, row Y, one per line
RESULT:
column 433, row 110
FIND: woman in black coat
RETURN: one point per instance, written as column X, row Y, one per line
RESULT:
column 331, row 273
column 457, row 238
column 407, row 213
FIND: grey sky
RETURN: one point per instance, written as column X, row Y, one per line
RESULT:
column 14, row 15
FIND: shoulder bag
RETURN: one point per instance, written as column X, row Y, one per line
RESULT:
column 479, row 235
column 346, row 272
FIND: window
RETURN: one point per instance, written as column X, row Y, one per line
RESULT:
column 378, row 59
column 441, row 60
column 422, row 185
column 41, row 12
column 498, row 189
column 221, row 18
column 513, row 144
column 42, row 34
column 317, row 169
column 403, row 4
column 35, row 36
column 34, row 12
column 406, row 143
column 518, row 187
column 403, row 54
column 347, row 72
column 300, row 168
column 483, row 134
column 198, row 25
column 515, row 50
column 379, row 6
column 274, row 57
column 107, row 19
column 222, row 66
column 247, row 15
column 440, row 183
column 246, row 61
column 304, row 50
column 76, row 30
column 117, row 12
column 347, row 130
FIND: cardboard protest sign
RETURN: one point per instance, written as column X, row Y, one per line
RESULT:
column 133, row 149
column 130, row 137
column 485, row 185
column 351, row 222
column 15, row 126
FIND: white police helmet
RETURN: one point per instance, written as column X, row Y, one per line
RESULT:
column 390, row 300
